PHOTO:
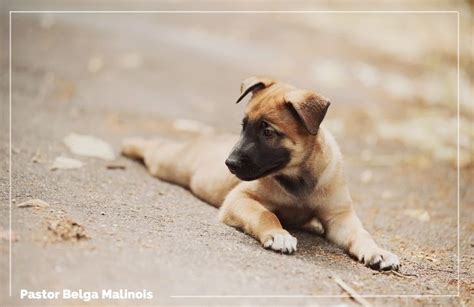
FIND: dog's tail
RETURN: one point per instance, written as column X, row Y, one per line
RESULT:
column 135, row 148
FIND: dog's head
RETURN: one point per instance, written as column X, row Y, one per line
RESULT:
column 280, row 122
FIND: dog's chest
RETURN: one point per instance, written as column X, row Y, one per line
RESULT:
column 298, row 187
column 291, row 209
column 293, row 199
column 294, row 216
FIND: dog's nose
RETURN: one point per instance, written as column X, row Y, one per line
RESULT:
column 233, row 164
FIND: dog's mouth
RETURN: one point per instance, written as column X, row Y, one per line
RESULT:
column 245, row 176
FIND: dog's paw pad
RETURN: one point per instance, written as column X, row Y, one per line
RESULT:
column 281, row 242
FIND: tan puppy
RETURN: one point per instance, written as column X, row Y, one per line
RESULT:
column 284, row 169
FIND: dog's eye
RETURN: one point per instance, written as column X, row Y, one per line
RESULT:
column 267, row 132
column 267, row 129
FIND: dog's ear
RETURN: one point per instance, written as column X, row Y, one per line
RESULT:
column 309, row 107
column 253, row 84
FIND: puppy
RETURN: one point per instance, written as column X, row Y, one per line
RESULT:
column 284, row 170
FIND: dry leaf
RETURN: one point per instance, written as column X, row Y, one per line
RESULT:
column 89, row 146
column 67, row 229
column 33, row 203
column 65, row 163
column 419, row 214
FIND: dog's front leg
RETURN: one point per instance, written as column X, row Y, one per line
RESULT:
column 344, row 228
column 244, row 212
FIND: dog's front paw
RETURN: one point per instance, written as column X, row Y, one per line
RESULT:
column 377, row 258
column 280, row 241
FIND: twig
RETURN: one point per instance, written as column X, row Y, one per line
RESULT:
column 115, row 166
column 356, row 296
column 402, row 274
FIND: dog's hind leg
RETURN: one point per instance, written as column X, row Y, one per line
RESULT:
column 314, row 226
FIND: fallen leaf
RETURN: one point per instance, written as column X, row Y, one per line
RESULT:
column 33, row 203
column 67, row 229
column 89, row 146
column 419, row 214
column 65, row 163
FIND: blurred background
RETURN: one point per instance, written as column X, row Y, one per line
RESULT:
column 396, row 71
column 393, row 83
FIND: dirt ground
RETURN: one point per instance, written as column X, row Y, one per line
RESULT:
column 118, row 75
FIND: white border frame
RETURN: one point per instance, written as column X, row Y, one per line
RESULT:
column 249, row 12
